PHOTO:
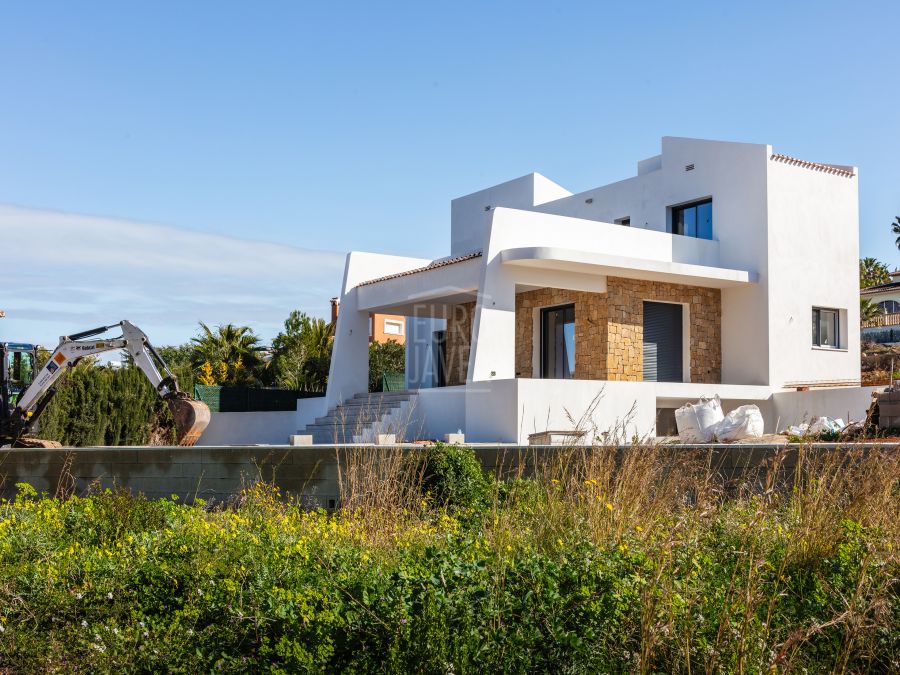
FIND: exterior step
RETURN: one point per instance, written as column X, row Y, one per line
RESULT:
column 361, row 418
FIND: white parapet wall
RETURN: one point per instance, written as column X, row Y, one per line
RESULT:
column 846, row 403
column 250, row 428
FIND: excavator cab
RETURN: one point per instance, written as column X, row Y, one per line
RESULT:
column 18, row 365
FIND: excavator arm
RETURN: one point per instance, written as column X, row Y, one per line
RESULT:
column 191, row 417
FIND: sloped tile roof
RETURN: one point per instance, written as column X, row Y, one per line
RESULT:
column 443, row 262
column 815, row 166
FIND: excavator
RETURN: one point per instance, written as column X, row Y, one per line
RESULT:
column 24, row 393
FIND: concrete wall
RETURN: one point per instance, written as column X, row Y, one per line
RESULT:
column 250, row 428
column 208, row 473
column 309, row 474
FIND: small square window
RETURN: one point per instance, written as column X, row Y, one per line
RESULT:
column 826, row 328
column 623, row 221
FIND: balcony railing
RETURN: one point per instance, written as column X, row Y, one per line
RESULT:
column 883, row 320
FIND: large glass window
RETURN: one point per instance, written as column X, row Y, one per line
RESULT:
column 558, row 342
column 826, row 328
column 693, row 220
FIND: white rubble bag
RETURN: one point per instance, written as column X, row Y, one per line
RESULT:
column 743, row 422
column 696, row 422
column 826, row 424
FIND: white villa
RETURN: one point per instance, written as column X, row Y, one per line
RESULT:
column 720, row 268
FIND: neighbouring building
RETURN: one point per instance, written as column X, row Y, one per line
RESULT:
column 719, row 269
column 884, row 328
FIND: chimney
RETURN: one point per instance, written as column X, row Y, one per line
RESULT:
column 335, row 308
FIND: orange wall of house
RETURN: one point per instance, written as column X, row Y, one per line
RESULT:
column 378, row 332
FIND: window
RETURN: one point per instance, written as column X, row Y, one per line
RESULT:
column 623, row 221
column 889, row 306
column 826, row 328
column 558, row 342
column 693, row 220
column 392, row 327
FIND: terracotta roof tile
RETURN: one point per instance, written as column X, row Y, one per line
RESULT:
column 443, row 262
column 880, row 287
column 815, row 166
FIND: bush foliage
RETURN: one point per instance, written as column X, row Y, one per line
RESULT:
column 576, row 569
column 102, row 406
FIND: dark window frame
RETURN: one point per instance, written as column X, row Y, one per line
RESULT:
column 543, row 338
column 889, row 306
column 673, row 210
column 816, row 335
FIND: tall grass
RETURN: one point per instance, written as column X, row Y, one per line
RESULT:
column 641, row 558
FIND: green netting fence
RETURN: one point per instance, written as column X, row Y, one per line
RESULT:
column 249, row 399
column 393, row 382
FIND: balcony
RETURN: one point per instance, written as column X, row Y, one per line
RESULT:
column 883, row 321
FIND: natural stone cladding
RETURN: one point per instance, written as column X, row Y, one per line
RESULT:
column 458, row 343
column 590, row 330
column 609, row 328
column 625, row 307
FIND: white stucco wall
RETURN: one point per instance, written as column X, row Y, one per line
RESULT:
column 468, row 224
column 436, row 412
column 250, row 428
column 349, row 372
column 814, row 251
column 847, row 403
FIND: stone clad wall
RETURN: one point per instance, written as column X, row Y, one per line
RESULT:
column 625, row 298
column 459, row 343
column 590, row 330
column 609, row 328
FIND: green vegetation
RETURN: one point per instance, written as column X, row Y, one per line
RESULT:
column 872, row 272
column 101, row 406
column 868, row 310
column 228, row 356
column 302, row 353
column 606, row 561
column 385, row 357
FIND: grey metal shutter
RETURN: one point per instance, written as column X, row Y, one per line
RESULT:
column 663, row 356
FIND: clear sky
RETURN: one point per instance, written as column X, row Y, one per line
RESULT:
column 336, row 126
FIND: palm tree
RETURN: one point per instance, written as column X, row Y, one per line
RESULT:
column 895, row 228
column 872, row 272
column 233, row 352
column 868, row 310
column 302, row 352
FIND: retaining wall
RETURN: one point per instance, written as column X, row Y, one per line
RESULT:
column 306, row 472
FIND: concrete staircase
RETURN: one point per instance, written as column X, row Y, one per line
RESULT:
column 362, row 418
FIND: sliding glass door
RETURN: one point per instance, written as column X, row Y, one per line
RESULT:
column 558, row 342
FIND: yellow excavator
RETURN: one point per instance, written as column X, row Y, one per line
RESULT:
column 25, row 394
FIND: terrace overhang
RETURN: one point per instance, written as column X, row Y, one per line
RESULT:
column 586, row 262
column 430, row 291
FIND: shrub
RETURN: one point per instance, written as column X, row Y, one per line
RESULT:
column 452, row 477
column 555, row 577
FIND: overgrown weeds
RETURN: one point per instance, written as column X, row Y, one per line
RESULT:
column 607, row 559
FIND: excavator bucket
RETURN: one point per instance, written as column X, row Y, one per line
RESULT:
column 191, row 418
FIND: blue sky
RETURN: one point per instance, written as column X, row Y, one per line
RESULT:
column 325, row 127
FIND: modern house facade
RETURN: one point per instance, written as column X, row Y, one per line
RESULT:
column 693, row 278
